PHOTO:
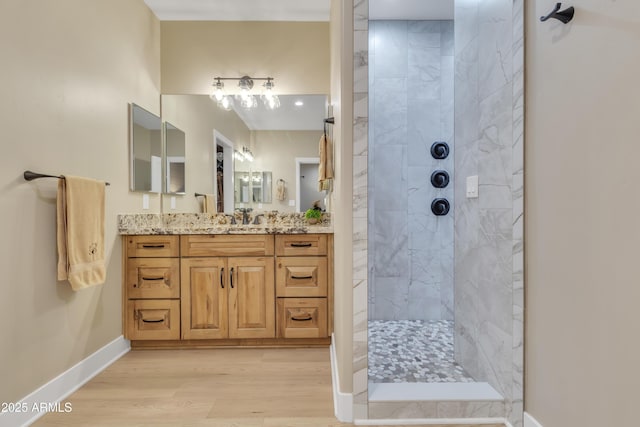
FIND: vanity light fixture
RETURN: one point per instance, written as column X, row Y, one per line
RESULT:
column 243, row 155
column 248, row 155
column 246, row 99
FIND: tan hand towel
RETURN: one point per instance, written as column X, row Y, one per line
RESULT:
column 281, row 190
column 80, row 231
column 209, row 204
column 325, row 168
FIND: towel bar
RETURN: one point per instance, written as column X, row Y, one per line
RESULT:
column 30, row 176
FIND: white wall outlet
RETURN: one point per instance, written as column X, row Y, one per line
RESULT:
column 292, row 202
column 472, row 187
column 173, row 202
column 259, row 205
column 145, row 201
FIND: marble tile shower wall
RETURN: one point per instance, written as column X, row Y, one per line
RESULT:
column 474, row 20
column 488, row 230
column 411, row 105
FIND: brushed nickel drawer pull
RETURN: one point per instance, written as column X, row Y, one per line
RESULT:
column 153, row 320
column 302, row 319
column 301, row 277
column 301, row 245
column 153, row 246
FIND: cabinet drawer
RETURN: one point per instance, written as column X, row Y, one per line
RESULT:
column 301, row 277
column 302, row 317
column 301, row 244
column 153, row 246
column 226, row 245
column 153, row 319
column 153, row 278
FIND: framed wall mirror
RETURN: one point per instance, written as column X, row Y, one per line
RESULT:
column 145, row 154
column 274, row 137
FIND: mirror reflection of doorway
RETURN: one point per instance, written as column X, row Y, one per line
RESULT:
column 307, row 184
column 223, row 176
column 220, row 178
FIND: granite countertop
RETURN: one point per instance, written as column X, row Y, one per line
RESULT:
column 201, row 223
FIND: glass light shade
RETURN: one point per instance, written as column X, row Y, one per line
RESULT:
column 218, row 94
column 248, row 101
column 271, row 101
column 225, row 103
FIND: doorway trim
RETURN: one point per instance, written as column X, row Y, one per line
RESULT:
column 302, row 161
column 228, row 147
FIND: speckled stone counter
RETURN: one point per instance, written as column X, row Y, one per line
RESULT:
column 201, row 223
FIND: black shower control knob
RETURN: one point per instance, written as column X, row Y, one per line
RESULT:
column 440, row 179
column 440, row 207
column 439, row 150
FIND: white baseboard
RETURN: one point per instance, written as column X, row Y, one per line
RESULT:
column 342, row 402
column 64, row 384
column 431, row 421
column 529, row 421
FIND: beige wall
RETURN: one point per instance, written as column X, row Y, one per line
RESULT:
column 276, row 151
column 296, row 54
column 582, row 233
column 69, row 69
column 342, row 101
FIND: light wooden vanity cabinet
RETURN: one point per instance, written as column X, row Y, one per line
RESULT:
column 302, row 285
column 228, row 290
column 152, row 288
column 227, row 296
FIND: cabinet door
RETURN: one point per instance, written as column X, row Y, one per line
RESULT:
column 251, row 298
column 204, row 283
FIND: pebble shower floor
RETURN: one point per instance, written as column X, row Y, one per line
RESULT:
column 413, row 351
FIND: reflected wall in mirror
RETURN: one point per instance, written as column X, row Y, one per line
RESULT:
column 251, row 188
column 145, row 143
column 275, row 137
column 175, row 156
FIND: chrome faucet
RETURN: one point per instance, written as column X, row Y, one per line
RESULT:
column 256, row 219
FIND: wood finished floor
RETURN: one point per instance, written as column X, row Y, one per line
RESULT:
column 213, row 388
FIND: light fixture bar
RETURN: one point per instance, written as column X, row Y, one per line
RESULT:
column 246, row 99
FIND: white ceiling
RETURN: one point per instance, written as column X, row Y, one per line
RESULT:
column 291, row 10
column 310, row 116
column 411, row 9
column 240, row 10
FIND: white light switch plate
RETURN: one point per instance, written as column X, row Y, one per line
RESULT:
column 145, row 201
column 472, row 187
column 173, row 202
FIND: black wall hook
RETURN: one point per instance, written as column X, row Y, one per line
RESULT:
column 562, row 15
